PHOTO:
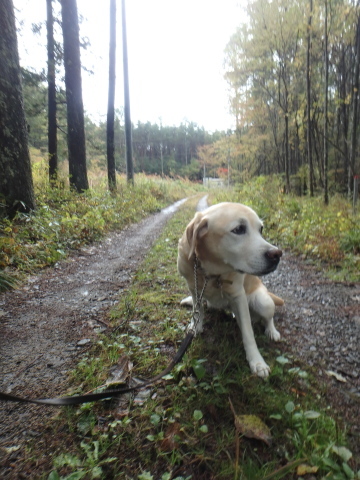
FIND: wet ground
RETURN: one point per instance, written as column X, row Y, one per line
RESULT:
column 46, row 325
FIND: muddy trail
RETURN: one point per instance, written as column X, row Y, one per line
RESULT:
column 47, row 324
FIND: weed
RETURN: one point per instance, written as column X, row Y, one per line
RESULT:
column 65, row 221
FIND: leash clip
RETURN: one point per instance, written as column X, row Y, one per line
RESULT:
column 196, row 313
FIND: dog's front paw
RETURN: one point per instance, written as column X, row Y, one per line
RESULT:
column 260, row 368
column 187, row 302
column 273, row 334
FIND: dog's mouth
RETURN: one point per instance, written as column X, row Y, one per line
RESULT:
column 260, row 273
column 268, row 270
column 268, row 264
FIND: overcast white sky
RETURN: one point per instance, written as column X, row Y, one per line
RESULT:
column 175, row 50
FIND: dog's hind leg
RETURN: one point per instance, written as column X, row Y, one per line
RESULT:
column 261, row 303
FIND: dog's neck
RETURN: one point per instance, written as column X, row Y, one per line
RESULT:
column 199, row 269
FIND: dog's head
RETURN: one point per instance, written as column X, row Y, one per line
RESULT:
column 228, row 237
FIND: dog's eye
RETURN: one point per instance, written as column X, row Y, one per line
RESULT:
column 239, row 230
column 261, row 229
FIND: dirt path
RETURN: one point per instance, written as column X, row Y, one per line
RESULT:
column 46, row 325
column 320, row 325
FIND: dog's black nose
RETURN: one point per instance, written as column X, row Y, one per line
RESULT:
column 274, row 255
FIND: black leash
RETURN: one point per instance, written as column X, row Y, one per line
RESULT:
column 93, row 397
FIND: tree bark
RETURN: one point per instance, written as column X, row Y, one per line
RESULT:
column 52, row 126
column 110, row 133
column 355, row 103
column 75, row 108
column 128, row 134
column 326, row 160
column 308, row 97
column 16, row 185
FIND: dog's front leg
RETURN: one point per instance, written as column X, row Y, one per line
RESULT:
column 239, row 306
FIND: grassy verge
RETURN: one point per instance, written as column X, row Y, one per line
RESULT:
column 209, row 419
column 65, row 220
column 326, row 235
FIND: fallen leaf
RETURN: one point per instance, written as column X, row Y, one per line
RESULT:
column 298, row 392
column 338, row 377
column 15, row 448
column 171, row 439
column 120, row 372
column 304, row 469
column 251, row 426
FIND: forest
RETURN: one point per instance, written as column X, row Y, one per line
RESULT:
column 292, row 69
column 162, row 150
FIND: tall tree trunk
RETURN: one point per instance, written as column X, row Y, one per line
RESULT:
column 110, row 134
column 16, row 185
column 344, row 117
column 52, row 127
column 128, row 134
column 287, row 153
column 75, row 108
column 355, row 103
column 308, row 96
column 326, row 193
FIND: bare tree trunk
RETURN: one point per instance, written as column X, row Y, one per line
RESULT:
column 75, row 108
column 128, row 134
column 344, row 117
column 287, row 153
column 326, row 160
column 52, row 127
column 110, row 134
column 355, row 103
column 308, row 96
column 16, row 185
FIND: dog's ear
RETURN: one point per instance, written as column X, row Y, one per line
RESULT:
column 196, row 229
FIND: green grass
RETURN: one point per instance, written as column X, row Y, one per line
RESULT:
column 186, row 428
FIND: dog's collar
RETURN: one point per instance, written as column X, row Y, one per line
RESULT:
column 217, row 278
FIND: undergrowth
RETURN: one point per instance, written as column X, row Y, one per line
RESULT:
column 192, row 425
column 64, row 220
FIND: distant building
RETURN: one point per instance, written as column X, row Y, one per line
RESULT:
column 213, row 182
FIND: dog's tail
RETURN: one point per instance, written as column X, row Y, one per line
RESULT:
column 277, row 300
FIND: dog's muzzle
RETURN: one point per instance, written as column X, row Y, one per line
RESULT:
column 273, row 258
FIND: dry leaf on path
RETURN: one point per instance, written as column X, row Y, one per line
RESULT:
column 305, row 469
column 119, row 373
column 251, row 426
column 338, row 377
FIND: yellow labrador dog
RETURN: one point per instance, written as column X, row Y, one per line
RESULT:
column 226, row 242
